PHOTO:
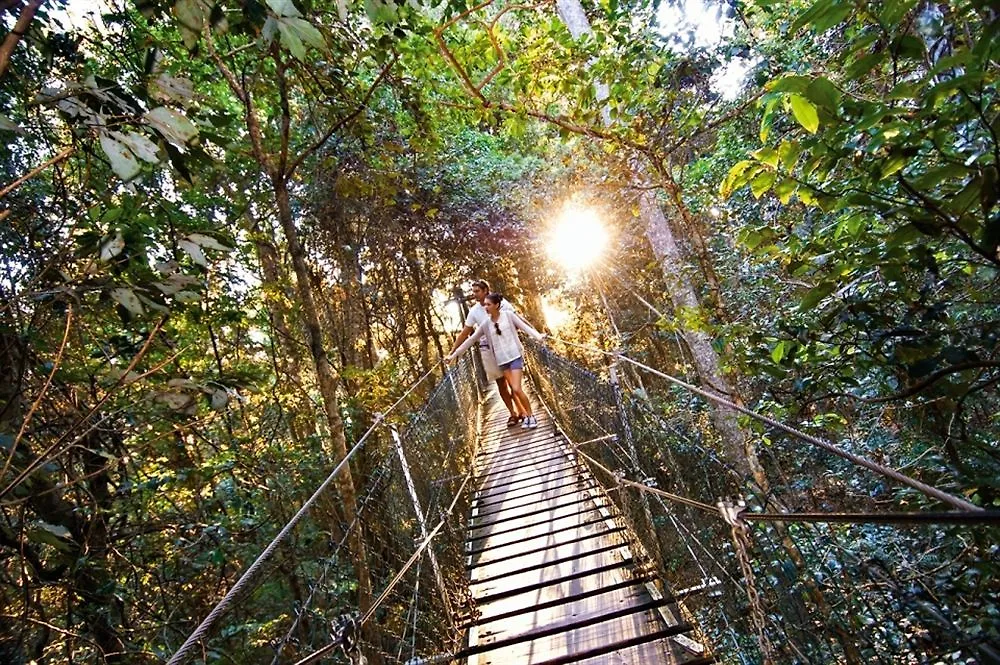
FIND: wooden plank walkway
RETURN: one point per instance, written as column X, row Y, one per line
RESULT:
column 551, row 574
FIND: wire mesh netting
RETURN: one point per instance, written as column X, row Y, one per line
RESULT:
column 854, row 593
column 413, row 493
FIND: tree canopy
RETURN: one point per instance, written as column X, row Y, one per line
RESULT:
column 232, row 234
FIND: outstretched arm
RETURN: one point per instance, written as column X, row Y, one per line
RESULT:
column 462, row 336
column 464, row 346
column 521, row 324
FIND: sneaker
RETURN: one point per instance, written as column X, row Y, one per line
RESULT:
column 530, row 422
column 527, row 422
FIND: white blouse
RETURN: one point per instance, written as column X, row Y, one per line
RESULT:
column 506, row 344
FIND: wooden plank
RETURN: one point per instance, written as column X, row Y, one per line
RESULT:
column 552, row 475
column 574, row 516
column 526, row 513
column 490, row 558
column 550, row 573
column 587, row 641
column 490, row 612
column 524, row 500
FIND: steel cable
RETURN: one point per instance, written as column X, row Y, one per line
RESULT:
column 242, row 584
column 930, row 491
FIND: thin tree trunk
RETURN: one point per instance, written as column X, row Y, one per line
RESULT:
column 326, row 377
column 14, row 36
column 738, row 449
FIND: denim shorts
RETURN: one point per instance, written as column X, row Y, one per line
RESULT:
column 516, row 363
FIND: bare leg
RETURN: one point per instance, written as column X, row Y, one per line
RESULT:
column 504, row 389
column 513, row 377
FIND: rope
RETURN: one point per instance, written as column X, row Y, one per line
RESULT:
column 315, row 587
column 652, row 490
column 955, row 516
column 420, row 549
column 933, row 492
column 399, row 575
column 241, row 585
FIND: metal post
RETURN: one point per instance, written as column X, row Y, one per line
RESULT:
column 421, row 519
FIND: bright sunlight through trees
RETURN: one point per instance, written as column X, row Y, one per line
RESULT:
column 577, row 238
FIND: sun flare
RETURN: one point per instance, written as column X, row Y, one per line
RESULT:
column 577, row 239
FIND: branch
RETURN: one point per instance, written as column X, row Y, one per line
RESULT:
column 14, row 36
column 286, row 112
column 253, row 124
column 343, row 121
column 38, row 400
column 501, row 54
column 43, row 457
column 31, row 174
column 916, row 388
column 726, row 117
column 953, row 225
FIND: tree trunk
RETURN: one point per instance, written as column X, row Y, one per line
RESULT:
column 326, row 377
column 738, row 450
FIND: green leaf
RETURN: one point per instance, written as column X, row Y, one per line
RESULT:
column 864, row 65
column 308, row 33
column 172, row 125
column 194, row 251
column 381, row 12
column 736, row 172
column 804, row 112
column 965, row 199
column 894, row 10
column 290, row 39
column 140, row 146
column 768, row 156
column 113, row 247
column 893, row 164
column 762, row 183
column 127, row 299
column 789, row 83
column 283, row 8
column 788, row 153
column 822, row 16
column 778, row 352
column 935, row 177
column 784, row 190
column 825, row 94
column 191, row 15
column 55, row 535
column 208, row 242
column 8, row 125
column 766, row 117
column 815, row 295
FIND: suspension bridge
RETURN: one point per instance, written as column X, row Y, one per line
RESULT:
column 600, row 538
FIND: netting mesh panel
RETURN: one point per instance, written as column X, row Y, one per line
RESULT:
column 437, row 445
column 828, row 593
column 413, row 467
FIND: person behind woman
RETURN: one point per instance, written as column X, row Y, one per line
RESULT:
column 501, row 328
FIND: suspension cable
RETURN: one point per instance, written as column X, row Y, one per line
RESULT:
column 333, row 556
column 930, row 491
column 199, row 633
column 416, row 556
column 652, row 490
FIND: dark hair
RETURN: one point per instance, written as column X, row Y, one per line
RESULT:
column 481, row 283
column 495, row 298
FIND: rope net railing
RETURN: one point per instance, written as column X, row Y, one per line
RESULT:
column 411, row 471
column 766, row 590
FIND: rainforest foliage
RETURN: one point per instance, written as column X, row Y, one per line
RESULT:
column 231, row 233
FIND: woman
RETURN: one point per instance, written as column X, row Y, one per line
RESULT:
column 501, row 328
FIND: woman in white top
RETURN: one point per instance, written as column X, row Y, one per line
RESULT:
column 500, row 328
